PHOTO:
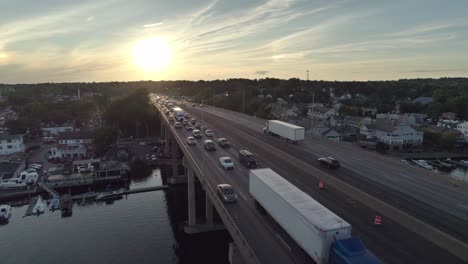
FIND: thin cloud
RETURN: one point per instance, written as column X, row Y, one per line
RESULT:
column 153, row 25
column 262, row 72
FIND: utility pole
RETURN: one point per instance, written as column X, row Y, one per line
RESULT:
column 243, row 99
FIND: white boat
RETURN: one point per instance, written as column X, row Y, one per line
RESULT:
column 54, row 204
column 39, row 208
column 5, row 213
column 12, row 183
column 423, row 164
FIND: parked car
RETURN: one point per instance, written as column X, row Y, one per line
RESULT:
column 197, row 125
column 247, row 158
column 226, row 193
column 197, row 134
column 224, row 143
column 226, row 163
column 209, row 133
column 178, row 125
column 329, row 162
column 191, row 141
column 209, row 145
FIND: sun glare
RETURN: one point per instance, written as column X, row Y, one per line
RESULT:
column 153, row 54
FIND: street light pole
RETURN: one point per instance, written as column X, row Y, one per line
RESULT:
column 243, row 99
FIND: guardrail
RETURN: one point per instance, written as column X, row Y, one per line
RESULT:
column 240, row 240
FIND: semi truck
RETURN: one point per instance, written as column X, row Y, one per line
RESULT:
column 179, row 114
column 324, row 236
column 290, row 132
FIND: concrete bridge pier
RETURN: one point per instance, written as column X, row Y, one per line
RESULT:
column 235, row 256
column 167, row 138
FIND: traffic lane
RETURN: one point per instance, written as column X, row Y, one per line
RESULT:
column 394, row 243
column 253, row 229
column 302, row 154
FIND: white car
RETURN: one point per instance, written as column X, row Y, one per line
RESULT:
column 191, row 141
column 209, row 133
column 226, row 163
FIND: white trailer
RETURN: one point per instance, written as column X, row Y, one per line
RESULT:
column 179, row 114
column 309, row 223
column 282, row 129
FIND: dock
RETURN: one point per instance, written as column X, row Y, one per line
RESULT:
column 145, row 189
column 48, row 189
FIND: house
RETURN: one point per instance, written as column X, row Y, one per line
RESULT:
column 56, row 130
column 422, row 100
column 69, row 151
column 463, row 128
column 10, row 144
column 321, row 113
column 355, row 122
column 75, row 138
column 449, row 115
column 397, row 136
column 321, row 130
column 367, row 130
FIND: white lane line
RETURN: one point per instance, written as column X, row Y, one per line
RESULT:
column 243, row 196
column 404, row 175
column 282, row 241
column 392, row 179
column 461, row 205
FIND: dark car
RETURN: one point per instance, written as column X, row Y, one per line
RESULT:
column 329, row 162
column 193, row 121
column 197, row 125
column 197, row 134
column 209, row 145
column 247, row 158
column 227, row 193
column 188, row 127
column 224, row 143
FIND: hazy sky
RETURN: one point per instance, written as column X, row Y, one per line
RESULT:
column 62, row 40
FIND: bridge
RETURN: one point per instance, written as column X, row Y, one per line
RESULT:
column 425, row 215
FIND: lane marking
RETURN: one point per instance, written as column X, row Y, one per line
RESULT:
column 461, row 205
column 392, row 179
column 282, row 241
column 404, row 175
column 243, row 196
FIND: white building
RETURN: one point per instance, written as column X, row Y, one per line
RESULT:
column 75, row 138
column 64, row 151
column 320, row 112
column 356, row 121
column 56, row 130
column 10, row 144
column 463, row 127
column 396, row 136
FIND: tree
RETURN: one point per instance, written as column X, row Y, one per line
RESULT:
column 448, row 140
column 104, row 137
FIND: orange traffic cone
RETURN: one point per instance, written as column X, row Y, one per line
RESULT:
column 321, row 185
column 377, row 220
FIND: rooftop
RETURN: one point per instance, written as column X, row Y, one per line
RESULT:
column 7, row 169
column 10, row 137
column 75, row 135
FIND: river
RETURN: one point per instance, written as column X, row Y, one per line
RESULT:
column 136, row 229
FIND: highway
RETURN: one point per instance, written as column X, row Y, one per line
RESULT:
column 393, row 243
column 270, row 243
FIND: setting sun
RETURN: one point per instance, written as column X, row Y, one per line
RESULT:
column 152, row 54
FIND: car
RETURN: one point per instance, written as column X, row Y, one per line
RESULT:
column 186, row 115
column 153, row 157
column 209, row 133
column 185, row 122
column 188, row 127
column 178, row 125
column 329, row 162
column 197, row 134
column 247, row 159
column 191, row 141
column 171, row 118
column 209, row 145
column 226, row 193
column 226, row 163
column 193, row 121
column 193, row 105
column 172, row 109
column 147, row 157
column 224, row 143
column 201, row 105
column 197, row 125
column 166, row 112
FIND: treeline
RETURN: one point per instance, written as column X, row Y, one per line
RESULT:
column 449, row 94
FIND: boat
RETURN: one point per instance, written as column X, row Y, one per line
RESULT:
column 66, row 205
column 423, row 164
column 12, row 183
column 447, row 165
column 54, row 204
column 40, row 206
column 461, row 163
column 111, row 195
column 5, row 213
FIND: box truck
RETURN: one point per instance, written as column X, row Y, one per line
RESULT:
column 323, row 235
